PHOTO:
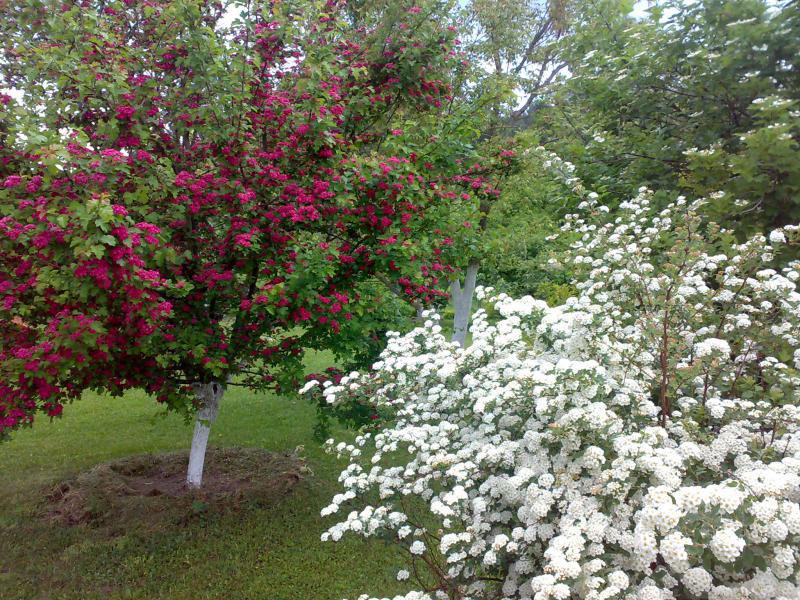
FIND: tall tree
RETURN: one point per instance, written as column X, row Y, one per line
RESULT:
column 698, row 98
column 514, row 49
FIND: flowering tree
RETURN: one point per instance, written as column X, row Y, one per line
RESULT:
column 640, row 441
column 187, row 205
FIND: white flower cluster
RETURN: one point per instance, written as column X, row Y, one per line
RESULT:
column 638, row 442
column 562, row 170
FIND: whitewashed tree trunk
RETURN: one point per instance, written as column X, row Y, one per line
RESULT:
column 462, row 303
column 209, row 395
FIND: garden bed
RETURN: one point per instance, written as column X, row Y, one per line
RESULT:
column 146, row 490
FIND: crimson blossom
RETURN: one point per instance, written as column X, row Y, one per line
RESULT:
column 186, row 205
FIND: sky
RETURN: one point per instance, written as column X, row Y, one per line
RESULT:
column 639, row 9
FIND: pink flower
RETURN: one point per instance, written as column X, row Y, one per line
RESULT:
column 183, row 179
column 34, row 184
column 149, row 228
column 12, row 181
column 302, row 314
column 42, row 239
column 149, row 275
column 23, row 353
column 247, row 196
column 125, row 112
column 114, row 155
column 397, row 132
column 119, row 210
column 243, row 239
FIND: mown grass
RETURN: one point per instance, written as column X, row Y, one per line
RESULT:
column 264, row 553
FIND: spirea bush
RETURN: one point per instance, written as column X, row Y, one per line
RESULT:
column 639, row 441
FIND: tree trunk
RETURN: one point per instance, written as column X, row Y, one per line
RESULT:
column 418, row 310
column 209, row 395
column 462, row 303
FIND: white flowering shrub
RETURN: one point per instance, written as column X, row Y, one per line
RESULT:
column 640, row 441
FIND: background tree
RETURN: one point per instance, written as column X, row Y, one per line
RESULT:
column 699, row 98
column 188, row 206
column 521, row 228
column 513, row 52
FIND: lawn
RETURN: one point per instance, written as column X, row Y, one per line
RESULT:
column 269, row 553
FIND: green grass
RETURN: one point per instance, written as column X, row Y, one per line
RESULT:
column 269, row 553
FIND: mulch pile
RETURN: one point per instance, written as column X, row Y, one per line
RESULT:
column 150, row 491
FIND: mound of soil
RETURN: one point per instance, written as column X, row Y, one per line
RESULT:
column 150, row 489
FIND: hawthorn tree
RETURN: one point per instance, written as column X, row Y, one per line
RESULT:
column 186, row 205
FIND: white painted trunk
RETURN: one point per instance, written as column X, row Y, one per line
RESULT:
column 209, row 395
column 462, row 303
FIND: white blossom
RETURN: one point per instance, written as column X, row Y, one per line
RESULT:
column 578, row 451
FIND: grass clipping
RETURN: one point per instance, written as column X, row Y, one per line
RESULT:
column 149, row 491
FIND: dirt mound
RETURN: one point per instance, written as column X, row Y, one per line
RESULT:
column 150, row 489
